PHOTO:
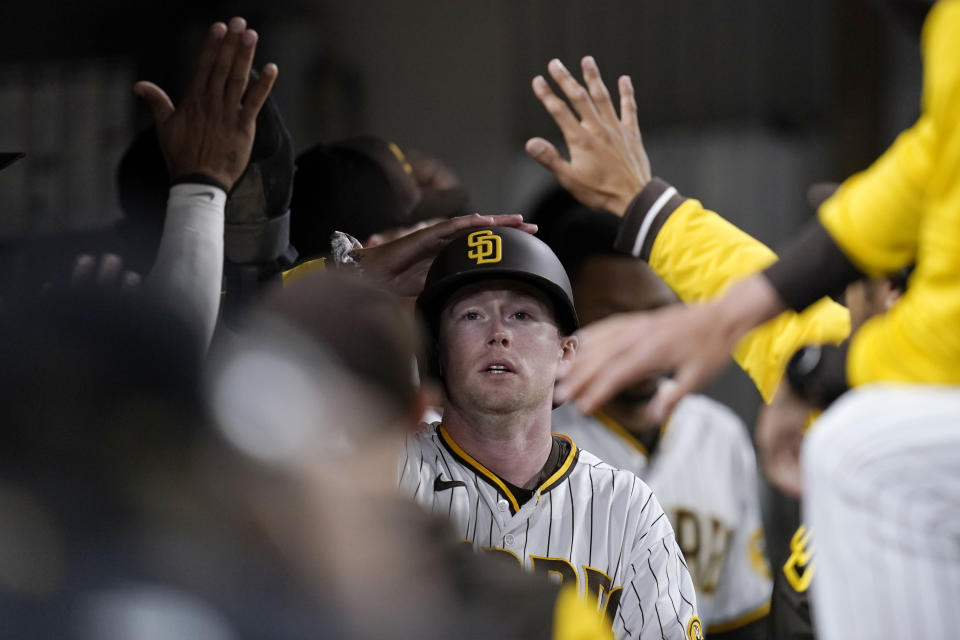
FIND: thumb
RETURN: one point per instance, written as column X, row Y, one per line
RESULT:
column 546, row 154
column 161, row 107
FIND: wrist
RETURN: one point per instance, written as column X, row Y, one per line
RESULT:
column 198, row 194
column 644, row 216
column 621, row 202
column 747, row 304
column 200, row 178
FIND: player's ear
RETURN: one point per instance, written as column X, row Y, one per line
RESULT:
column 568, row 353
column 569, row 345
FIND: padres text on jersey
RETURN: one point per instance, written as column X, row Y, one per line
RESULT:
column 589, row 524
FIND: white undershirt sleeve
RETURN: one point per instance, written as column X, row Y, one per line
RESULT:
column 189, row 267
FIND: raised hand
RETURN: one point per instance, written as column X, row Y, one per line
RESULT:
column 693, row 342
column 110, row 274
column 210, row 132
column 608, row 165
column 401, row 265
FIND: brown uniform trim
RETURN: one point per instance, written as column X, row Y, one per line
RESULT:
column 645, row 217
column 811, row 266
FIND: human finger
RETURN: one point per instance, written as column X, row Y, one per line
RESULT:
column 224, row 61
column 111, row 266
column 257, row 94
column 159, row 103
column 205, row 60
column 686, row 380
column 620, row 367
column 557, row 108
column 130, row 281
column 546, row 154
column 598, row 90
column 82, row 268
column 628, row 106
column 514, row 220
column 576, row 94
column 240, row 72
column 591, row 357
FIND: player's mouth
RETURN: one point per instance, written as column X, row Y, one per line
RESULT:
column 498, row 368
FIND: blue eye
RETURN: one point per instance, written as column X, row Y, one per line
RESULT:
column 471, row 315
column 521, row 315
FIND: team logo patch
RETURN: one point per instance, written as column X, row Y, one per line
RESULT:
column 799, row 567
column 485, row 246
column 694, row 629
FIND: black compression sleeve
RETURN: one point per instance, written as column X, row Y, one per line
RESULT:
column 811, row 267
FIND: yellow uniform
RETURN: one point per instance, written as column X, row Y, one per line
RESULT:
column 699, row 254
column 904, row 209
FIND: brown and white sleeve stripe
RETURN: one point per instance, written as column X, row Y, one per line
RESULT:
column 645, row 217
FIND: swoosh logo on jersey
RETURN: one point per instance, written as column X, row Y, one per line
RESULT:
column 209, row 194
column 439, row 484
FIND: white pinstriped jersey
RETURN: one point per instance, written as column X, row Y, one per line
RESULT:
column 589, row 524
column 703, row 471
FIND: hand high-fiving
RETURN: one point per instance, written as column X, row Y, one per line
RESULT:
column 210, row 132
column 608, row 165
column 401, row 265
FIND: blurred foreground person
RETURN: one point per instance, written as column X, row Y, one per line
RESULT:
column 715, row 512
column 336, row 434
column 122, row 515
column 500, row 313
column 779, row 435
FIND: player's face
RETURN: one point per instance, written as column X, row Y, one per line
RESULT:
column 606, row 285
column 500, row 349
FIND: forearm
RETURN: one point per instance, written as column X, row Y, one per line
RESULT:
column 874, row 217
column 748, row 304
column 189, row 267
column 701, row 256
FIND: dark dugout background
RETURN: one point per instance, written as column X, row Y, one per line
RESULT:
column 743, row 103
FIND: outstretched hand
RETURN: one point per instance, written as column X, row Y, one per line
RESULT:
column 608, row 165
column 401, row 265
column 211, row 131
column 694, row 342
column 779, row 438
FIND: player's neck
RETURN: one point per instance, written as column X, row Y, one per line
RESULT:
column 514, row 446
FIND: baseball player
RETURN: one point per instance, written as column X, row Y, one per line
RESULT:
column 499, row 308
column 715, row 513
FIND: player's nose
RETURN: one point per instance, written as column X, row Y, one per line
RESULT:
column 499, row 334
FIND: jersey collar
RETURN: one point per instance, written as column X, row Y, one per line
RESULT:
column 631, row 439
column 564, row 470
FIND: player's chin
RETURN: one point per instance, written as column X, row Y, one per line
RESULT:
column 502, row 399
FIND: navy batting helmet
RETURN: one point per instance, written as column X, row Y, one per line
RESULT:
column 497, row 253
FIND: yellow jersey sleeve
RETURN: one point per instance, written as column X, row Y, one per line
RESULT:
column 906, row 208
column 699, row 255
